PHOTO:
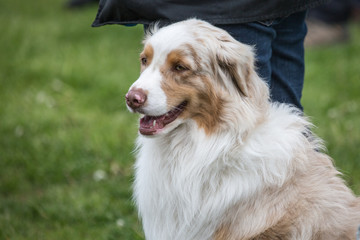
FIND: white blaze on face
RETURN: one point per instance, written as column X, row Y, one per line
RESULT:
column 156, row 51
column 150, row 82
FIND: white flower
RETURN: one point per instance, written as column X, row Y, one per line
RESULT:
column 19, row 131
column 99, row 175
column 120, row 222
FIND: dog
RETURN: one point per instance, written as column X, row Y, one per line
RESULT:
column 216, row 159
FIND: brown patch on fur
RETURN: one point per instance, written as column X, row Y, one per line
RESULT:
column 207, row 108
column 203, row 103
column 283, row 229
column 240, row 82
column 238, row 66
column 147, row 54
column 276, row 222
column 194, row 55
column 223, row 233
column 177, row 58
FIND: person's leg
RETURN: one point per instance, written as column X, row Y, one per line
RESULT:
column 287, row 61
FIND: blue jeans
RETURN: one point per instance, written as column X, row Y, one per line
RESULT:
column 279, row 47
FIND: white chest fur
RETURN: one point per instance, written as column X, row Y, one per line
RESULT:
column 174, row 189
column 184, row 183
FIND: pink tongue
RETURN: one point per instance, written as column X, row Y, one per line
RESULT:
column 150, row 125
column 152, row 122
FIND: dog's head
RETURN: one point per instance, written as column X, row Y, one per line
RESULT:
column 192, row 70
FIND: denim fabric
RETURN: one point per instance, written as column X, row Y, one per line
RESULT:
column 279, row 53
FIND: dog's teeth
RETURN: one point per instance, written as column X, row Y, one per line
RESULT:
column 154, row 123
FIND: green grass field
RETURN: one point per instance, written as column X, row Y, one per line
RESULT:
column 66, row 138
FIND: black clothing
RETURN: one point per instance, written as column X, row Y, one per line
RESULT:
column 213, row 11
column 335, row 12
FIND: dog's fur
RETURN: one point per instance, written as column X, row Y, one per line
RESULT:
column 232, row 165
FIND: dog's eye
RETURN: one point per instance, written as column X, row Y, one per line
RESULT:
column 143, row 60
column 180, row 68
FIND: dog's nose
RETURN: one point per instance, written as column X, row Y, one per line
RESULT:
column 135, row 98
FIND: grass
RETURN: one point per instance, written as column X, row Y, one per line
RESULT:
column 331, row 97
column 66, row 137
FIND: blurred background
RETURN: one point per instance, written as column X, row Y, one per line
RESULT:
column 66, row 138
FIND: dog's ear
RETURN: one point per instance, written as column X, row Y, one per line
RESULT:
column 237, row 60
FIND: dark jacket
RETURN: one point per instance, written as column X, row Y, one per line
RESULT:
column 213, row 11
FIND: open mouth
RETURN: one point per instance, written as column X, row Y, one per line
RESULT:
column 151, row 125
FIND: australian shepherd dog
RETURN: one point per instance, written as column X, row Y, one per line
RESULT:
column 216, row 159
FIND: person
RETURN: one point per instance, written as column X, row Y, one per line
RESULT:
column 275, row 28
